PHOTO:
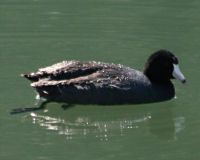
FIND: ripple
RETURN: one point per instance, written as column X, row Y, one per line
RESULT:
column 102, row 130
column 54, row 13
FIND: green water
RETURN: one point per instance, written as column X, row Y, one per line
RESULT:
column 36, row 33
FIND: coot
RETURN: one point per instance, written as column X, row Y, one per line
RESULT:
column 76, row 82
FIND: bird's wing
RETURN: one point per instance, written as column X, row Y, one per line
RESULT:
column 65, row 70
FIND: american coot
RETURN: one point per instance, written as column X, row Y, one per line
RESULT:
column 93, row 82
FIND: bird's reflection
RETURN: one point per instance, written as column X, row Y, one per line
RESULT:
column 163, row 124
column 85, row 126
column 156, row 119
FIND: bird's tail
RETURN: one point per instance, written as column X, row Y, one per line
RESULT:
column 31, row 77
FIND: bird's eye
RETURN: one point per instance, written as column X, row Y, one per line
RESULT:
column 175, row 60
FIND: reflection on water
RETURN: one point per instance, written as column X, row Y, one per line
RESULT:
column 84, row 126
column 158, row 122
column 164, row 125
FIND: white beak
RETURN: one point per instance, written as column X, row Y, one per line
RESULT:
column 177, row 73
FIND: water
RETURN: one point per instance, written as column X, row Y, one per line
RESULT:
column 36, row 33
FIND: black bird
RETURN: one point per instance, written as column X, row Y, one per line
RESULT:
column 76, row 82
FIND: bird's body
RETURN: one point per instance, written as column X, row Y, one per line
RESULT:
column 76, row 82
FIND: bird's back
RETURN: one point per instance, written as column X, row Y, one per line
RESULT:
column 96, row 83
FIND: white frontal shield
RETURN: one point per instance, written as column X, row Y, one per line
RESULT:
column 177, row 73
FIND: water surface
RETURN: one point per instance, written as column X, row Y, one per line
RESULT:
column 36, row 33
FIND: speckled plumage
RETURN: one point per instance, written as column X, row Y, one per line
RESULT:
column 93, row 82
